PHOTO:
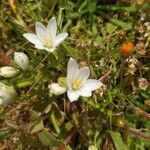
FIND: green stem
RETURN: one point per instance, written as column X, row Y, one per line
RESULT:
column 121, row 75
column 24, row 83
column 59, row 20
column 39, row 65
column 55, row 122
column 91, row 103
column 117, row 8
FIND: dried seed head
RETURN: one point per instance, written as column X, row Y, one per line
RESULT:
column 143, row 84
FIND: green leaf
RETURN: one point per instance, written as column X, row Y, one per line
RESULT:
column 100, row 41
column 91, row 5
column 119, row 144
column 55, row 122
column 147, row 124
column 131, row 8
column 124, row 25
column 91, row 102
column 24, row 82
column 73, row 15
column 145, row 94
column 110, row 28
column 68, row 126
column 38, row 126
column 63, row 3
column 94, row 29
column 82, row 7
column 48, row 139
column 73, row 52
column 4, row 133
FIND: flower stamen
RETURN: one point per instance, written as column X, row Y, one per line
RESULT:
column 48, row 42
column 76, row 83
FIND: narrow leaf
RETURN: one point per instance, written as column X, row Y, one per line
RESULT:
column 119, row 144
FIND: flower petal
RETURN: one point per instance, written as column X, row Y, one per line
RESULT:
column 60, row 38
column 72, row 95
column 56, row 89
column 89, row 86
column 1, row 101
column 84, row 92
column 92, row 84
column 72, row 69
column 39, row 46
column 83, row 74
column 32, row 38
column 41, row 31
column 49, row 49
column 52, row 27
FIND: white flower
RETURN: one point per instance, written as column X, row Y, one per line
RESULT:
column 56, row 89
column 78, row 82
column 7, row 94
column 21, row 60
column 8, row 72
column 45, row 37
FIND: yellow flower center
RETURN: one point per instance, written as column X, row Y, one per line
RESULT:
column 48, row 42
column 76, row 83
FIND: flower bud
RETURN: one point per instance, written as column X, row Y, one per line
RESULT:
column 56, row 89
column 8, row 72
column 62, row 81
column 21, row 60
column 7, row 94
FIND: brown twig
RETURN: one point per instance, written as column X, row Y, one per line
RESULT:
column 70, row 136
column 106, row 144
column 143, row 113
column 136, row 132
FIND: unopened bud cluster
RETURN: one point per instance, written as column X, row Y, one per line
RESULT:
column 8, row 93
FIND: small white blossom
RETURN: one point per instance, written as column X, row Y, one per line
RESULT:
column 78, row 82
column 21, row 60
column 7, row 94
column 56, row 89
column 45, row 37
column 8, row 72
column 143, row 84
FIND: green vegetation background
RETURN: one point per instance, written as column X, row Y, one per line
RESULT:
column 117, row 119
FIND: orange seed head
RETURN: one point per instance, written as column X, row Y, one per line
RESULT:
column 126, row 49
